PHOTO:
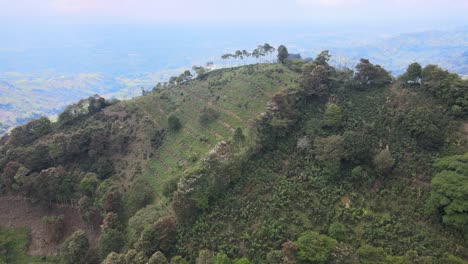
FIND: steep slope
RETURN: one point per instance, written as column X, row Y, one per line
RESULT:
column 120, row 146
column 275, row 163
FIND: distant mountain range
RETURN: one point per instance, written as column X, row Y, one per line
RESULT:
column 42, row 76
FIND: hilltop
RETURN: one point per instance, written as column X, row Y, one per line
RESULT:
column 292, row 162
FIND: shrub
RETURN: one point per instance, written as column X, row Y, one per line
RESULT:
column 274, row 257
column 221, row 258
column 337, row 231
column 112, row 240
column 161, row 236
column 178, row 260
column 242, row 261
column 174, row 123
column 158, row 258
column 384, row 161
column 315, row 248
column 332, row 117
column 207, row 115
column 89, row 184
column 204, row 257
column 329, row 148
column 371, row 255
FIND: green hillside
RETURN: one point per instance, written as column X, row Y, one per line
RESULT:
column 295, row 162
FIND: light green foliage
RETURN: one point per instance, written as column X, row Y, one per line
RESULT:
column 75, row 249
column 384, row 161
column 114, row 258
column 112, row 240
column 221, row 258
column 314, row 248
column 158, row 258
column 329, row 148
column 178, row 260
column 242, row 261
column 89, row 184
column 333, row 116
column 274, row 257
column 135, row 257
column 13, row 242
column 138, row 196
column 449, row 192
column 371, row 255
column 204, row 257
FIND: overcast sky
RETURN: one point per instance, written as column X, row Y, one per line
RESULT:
column 233, row 11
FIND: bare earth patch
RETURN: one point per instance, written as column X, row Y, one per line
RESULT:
column 17, row 212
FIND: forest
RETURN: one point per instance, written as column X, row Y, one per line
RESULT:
column 281, row 160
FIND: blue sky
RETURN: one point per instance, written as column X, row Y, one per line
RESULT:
column 234, row 11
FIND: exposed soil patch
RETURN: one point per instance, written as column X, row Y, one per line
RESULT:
column 18, row 212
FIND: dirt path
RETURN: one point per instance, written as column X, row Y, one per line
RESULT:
column 17, row 212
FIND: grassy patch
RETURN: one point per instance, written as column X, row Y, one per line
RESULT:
column 13, row 247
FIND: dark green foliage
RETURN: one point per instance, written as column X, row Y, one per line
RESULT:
column 112, row 240
column 426, row 126
column 358, row 146
column 75, row 249
column 315, row 80
column 112, row 202
column 138, row 196
column 88, row 212
column 413, row 75
column 370, row 75
column 54, row 184
column 238, row 138
column 161, row 236
column 81, row 109
column 174, row 123
column 371, row 255
column 282, row 54
column 337, row 231
column 29, row 132
column 449, row 193
column 314, row 248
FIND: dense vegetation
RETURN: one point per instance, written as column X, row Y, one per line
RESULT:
column 341, row 166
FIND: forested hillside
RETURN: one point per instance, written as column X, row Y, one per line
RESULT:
column 289, row 162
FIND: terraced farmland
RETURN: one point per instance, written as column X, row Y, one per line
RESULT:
column 235, row 95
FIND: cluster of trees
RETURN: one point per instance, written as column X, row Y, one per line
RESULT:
column 449, row 192
column 259, row 53
column 443, row 85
